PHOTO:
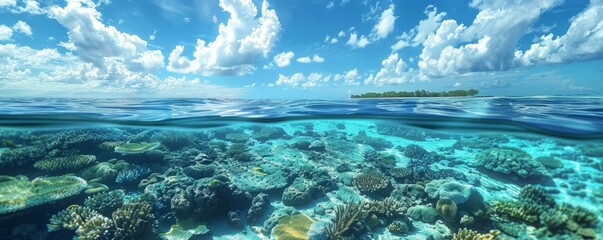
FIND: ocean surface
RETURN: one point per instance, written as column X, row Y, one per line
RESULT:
column 408, row 168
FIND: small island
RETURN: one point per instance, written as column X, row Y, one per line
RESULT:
column 418, row 93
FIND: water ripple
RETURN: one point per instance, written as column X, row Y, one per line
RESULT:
column 574, row 117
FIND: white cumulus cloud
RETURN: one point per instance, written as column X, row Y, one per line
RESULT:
column 104, row 46
column 300, row 80
column 240, row 41
column 283, row 59
column 455, row 48
column 22, row 27
column 393, row 71
column 582, row 41
column 316, row 59
column 385, row 25
column 5, row 33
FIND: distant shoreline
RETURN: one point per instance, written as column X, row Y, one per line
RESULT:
column 419, row 94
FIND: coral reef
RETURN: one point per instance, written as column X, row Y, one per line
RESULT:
column 87, row 223
column 345, row 217
column 105, row 203
column 372, row 182
column 20, row 193
column 447, row 209
column 510, row 160
column 259, row 204
column 422, row 213
column 449, row 189
column 398, row 227
column 467, row 234
column 134, row 173
column 300, row 192
column 292, row 227
column 71, row 163
column 137, row 148
column 377, row 143
column 240, row 152
column 134, row 220
column 268, row 133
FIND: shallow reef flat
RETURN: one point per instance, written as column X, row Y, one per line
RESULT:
column 311, row 179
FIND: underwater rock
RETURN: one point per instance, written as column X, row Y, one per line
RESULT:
column 449, row 189
column 550, row 162
column 272, row 221
column 21, row 193
column 136, row 148
column 509, row 160
column 199, row 171
column 592, row 150
column 213, row 198
column 259, row 204
column 299, row 193
column 269, row 133
column 405, row 132
column 240, row 152
column 318, row 146
column 252, row 182
column 318, row 231
column 398, row 227
column 70, row 163
column 295, row 226
column 234, row 220
column 174, row 140
column 377, row 143
column 422, row 213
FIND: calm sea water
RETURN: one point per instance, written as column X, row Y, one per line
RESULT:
column 258, row 169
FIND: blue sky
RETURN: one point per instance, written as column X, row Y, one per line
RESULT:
column 298, row 48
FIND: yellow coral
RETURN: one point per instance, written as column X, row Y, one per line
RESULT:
column 294, row 227
column 467, row 234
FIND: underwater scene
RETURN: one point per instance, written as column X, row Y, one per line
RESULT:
column 365, row 169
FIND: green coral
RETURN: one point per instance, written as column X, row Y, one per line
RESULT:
column 136, row 148
column 294, row 227
column 70, row 163
column 87, row 223
column 105, row 171
column 371, row 182
column 106, row 203
column 510, row 160
column 134, row 220
column 21, row 193
column 524, row 212
column 178, row 232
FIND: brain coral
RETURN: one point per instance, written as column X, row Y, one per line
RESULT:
column 509, row 160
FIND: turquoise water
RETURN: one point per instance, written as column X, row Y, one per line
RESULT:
column 514, row 168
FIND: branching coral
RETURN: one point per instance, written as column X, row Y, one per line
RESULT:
column 134, row 220
column 71, row 163
column 389, row 207
column 105, row 203
column 371, row 182
column 239, row 152
column 345, row 216
column 87, row 223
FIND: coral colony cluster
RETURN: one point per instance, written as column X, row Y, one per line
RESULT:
column 297, row 180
